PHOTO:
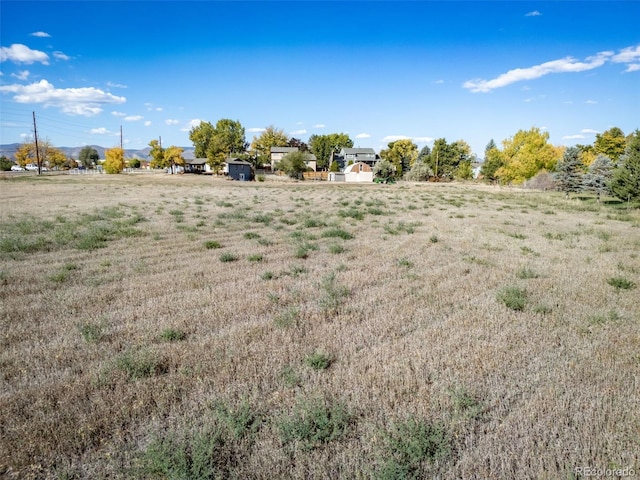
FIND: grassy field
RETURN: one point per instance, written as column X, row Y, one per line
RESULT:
column 158, row 326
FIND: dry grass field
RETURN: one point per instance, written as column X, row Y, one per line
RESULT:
column 158, row 326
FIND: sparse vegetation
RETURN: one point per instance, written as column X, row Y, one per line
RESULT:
column 131, row 350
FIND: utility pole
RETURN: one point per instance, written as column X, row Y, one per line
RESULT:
column 121, row 141
column 35, row 137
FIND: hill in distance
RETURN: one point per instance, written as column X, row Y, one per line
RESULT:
column 10, row 149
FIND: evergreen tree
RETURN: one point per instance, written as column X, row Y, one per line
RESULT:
column 569, row 171
column 625, row 183
column 597, row 178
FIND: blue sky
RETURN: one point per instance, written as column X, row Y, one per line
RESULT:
column 378, row 71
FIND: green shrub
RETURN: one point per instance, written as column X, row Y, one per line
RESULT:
column 211, row 244
column 91, row 332
column 332, row 294
column 336, row 248
column 408, row 446
column 251, row 235
column 140, row 364
column 526, row 273
column 228, row 257
column 288, row 318
column 173, row 335
column 337, row 233
column 514, row 298
column 256, row 257
column 314, row 423
column 318, row 361
column 621, row 283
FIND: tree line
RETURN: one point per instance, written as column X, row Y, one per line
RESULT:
column 611, row 165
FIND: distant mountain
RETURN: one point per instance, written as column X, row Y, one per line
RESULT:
column 10, row 149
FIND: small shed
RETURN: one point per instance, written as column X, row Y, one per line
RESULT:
column 358, row 172
column 240, row 170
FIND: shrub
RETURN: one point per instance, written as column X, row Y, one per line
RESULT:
column 314, row 423
column 210, row 244
column 91, row 332
column 139, row 364
column 513, row 297
column 173, row 335
column 621, row 283
column 332, row 294
column 287, row 318
column 228, row 257
column 256, row 257
column 318, row 361
column 336, row 248
column 251, row 235
column 337, row 233
column 526, row 273
column 410, row 444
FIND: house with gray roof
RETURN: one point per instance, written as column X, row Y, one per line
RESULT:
column 347, row 156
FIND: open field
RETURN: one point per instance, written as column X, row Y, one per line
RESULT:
column 157, row 326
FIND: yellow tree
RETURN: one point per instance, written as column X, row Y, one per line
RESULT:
column 114, row 161
column 173, row 155
column 402, row 154
column 47, row 154
column 271, row 137
column 526, row 154
column 56, row 158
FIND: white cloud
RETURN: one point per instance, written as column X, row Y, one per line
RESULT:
column 535, row 13
column 171, row 121
column 18, row 53
column 256, row 130
column 159, row 109
column 573, row 137
column 589, row 130
column 591, row 102
column 627, row 55
column 115, row 85
column 22, row 75
column 563, row 65
column 394, row 138
column 147, row 123
column 133, row 118
column 86, row 101
column 40, row 34
column 118, row 114
column 363, row 135
column 422, row 139
column 438, row 82
column 99, row 131
column 319, row 125
column 632, row 67
column 61, row 56
column 298, row 132
column 192, row 123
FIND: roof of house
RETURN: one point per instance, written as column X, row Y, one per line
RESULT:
column 355, row 151
column 358, row 167
column 195, row 161
column 236, row 161
column 284, row 149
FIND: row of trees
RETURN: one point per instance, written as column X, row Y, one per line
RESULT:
column 604, row 175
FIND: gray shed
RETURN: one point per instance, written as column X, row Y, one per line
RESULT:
column 239, row 169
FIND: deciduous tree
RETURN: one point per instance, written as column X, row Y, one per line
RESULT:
column 173, row 156
column 323, row 146
column 114, row 160
column 88, row 157
column 217, row 143
column 293, row 164
column 157, row 155
column 402, row 154
column 525, row 154
column 611, row 142
column 271, row 137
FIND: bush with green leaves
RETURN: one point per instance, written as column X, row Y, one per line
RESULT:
column 313, row 423
column 514, row 298
column 318, row 361
column 410, row 445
